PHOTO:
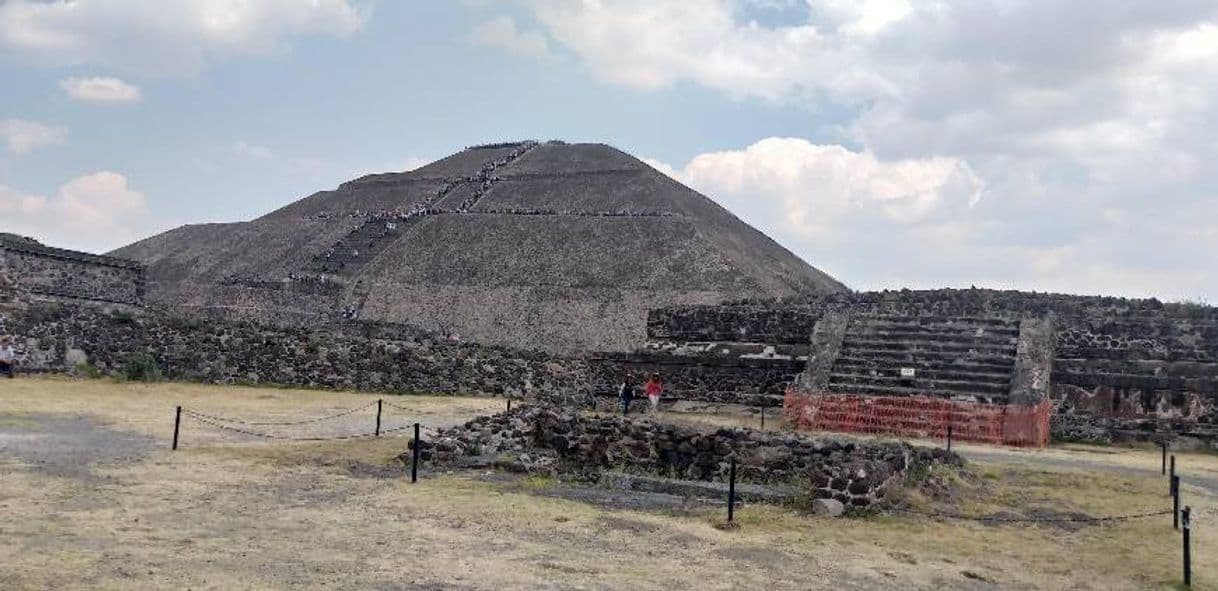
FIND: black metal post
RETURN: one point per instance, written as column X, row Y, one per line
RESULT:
column 949, row 437
column 379, row 405
column 509, row 405
column 414, row 462
column 1171, row 472
column 1188, row 554
column 177, row 424
column 763, row 417
column 731, row 492
column 1175, row 502
column 1164, row 446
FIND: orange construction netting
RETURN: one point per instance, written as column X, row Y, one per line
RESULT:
column 920, row 416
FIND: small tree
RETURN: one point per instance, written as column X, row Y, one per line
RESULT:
column 141, row 367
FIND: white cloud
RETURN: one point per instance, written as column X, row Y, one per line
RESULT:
column 159, row 37
column 23, row 136
column 502, row 33
column 101, row 90
column 252, row 151
column 95, row 212
column 1075, row 118
column 930, row 222
column 803, row 190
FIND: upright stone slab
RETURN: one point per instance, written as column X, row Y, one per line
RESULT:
column 827, row 337
column 1033, row 361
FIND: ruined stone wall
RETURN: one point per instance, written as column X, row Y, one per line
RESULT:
column 1118, row 368
column 858, row 474
column 42, row 272
column 748, row 322
column 355, row 356
column 711, row 378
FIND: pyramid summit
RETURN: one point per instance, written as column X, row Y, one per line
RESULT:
column 551, row 246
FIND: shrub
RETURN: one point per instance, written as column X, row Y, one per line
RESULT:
column 141, row 367
column 88, row 370
column 121, row 317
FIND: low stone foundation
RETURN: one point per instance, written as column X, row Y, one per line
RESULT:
column 545, row 440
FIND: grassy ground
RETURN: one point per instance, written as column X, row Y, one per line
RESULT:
column 229, row 512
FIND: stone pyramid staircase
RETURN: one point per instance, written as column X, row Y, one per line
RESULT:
column 969, row 358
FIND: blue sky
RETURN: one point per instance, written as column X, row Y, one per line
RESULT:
column 892, row 143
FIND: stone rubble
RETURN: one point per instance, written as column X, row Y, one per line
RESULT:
column 536, row 439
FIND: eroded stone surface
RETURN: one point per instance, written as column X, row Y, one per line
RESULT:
column 547, row 440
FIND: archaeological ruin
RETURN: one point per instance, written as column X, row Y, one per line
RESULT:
column 554, row 441
column 550, row 246
column 550, row 270
column 30, row 270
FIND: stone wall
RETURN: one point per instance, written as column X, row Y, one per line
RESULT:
column 34, row 270
column 858, row 474
column 749, row 322
column 1116, row 368
column 352, row 356
column 710, row 378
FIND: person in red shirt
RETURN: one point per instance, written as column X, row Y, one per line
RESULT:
column 654, row 387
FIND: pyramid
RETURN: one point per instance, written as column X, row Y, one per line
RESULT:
column 551, row 246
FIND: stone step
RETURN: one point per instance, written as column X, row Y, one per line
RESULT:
column 928, row 363
column 936, row 328
column 935, row 373
column 853, row 342
column 932, row 358
column 850, row 388
column 368, row 240
column 698, row 489
column 894, row 334
column 925, row 384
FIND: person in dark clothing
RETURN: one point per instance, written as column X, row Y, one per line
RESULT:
column 626, row 393
column 8, row 358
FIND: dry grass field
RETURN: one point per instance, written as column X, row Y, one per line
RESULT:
column 91, row 497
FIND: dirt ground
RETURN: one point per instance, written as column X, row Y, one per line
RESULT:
column 91, row 497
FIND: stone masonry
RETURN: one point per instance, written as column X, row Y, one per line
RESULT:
column 1115, row 368
column 350, row 356
column 31, row 270
column 553, row 440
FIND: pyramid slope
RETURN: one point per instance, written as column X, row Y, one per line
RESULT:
column 552, row 246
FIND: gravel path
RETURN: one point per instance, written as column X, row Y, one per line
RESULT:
column 1206, row 481
column 66, row 445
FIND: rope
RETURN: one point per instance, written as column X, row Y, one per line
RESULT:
column 387, row 403
column 1035, row 520
column 278, row 424
column 207, row 420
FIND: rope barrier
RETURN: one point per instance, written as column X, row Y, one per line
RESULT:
column 1032, row 519
column 387, row 403
column 207, row 420
column 279, row 424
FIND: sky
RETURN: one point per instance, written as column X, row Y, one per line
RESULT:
column 1022, row 144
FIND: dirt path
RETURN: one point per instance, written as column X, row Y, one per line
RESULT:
column 1194, row 469
column 69, row 446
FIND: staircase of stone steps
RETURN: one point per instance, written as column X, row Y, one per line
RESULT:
column 383, row 228
column 360, row 246
column 959, row 357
